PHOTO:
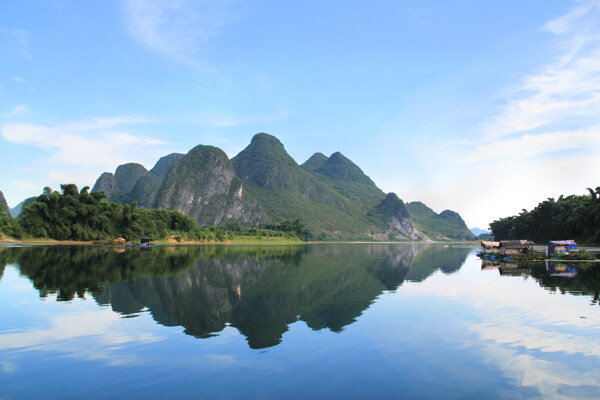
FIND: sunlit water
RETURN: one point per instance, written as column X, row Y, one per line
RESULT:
column 316, row 321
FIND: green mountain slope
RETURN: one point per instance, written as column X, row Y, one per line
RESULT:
column 127, row 176
column 314, row 162
column 285, row 190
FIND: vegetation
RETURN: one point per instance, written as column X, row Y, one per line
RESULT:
column 8, row 225
column 83, row 216
column 572, row 217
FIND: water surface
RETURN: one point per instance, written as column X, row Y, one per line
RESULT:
column 314, row 321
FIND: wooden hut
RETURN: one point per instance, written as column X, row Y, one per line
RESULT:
column 490, row 247
column 514, row 247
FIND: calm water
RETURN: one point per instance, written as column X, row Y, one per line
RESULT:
column 316, row 321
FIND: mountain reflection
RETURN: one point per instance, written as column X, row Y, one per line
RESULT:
column 258, row 290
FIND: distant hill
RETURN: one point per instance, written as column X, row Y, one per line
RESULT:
column 332, row 196
column 478, row 231
column 443, row 226
column 16, row 211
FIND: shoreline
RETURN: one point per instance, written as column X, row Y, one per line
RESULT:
column 52, row 242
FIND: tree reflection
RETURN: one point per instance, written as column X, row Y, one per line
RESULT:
column 258, row 290
column 577, row 278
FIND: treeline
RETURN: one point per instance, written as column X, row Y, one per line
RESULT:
column 74, row 214
column 572, row 217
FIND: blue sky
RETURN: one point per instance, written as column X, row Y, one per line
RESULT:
column 484, row 108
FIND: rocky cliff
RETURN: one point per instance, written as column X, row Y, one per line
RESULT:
column 203, row 185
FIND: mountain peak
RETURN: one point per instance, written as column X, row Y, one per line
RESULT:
column 264, row 138
column 315, row 162
column 393, row 205
column 265, row 162
column 338, row 166
column 127, row 175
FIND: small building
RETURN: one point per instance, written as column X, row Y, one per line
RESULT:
column 490, row 247
column 514, row 247
column 145, row 240
column 560, row 246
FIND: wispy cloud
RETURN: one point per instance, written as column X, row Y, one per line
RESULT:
column 564, row 93
column 20, row 39
column 20, row 109
column 549, row 124
column 178, row 29
column 18, row 79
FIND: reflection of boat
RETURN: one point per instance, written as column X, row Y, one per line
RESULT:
column 147, row 241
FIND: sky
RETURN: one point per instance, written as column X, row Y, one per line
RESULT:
column 484, row 108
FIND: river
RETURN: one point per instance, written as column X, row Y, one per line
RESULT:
column 318, row 321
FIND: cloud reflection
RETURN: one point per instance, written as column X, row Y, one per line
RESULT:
column 66, row 331
column 537, row 338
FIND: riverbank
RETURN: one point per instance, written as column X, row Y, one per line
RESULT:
column 4, row 241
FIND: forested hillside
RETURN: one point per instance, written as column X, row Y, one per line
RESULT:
column 571, row 217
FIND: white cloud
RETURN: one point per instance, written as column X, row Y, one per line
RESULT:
column 564, row 92
column 98, row 142
column 520, row 326
column 178, row 29
column 79, row 152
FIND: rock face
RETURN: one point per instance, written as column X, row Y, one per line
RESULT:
column 161, row 168
column 203, row 186
column 397, row 218
column 4, row 204
column 131, row 182
column 144, row 192
column 107, row 184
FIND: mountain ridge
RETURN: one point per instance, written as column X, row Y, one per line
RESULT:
column 332, row 196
